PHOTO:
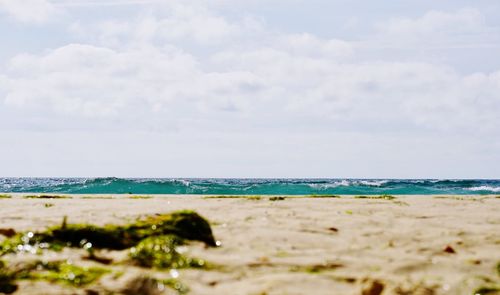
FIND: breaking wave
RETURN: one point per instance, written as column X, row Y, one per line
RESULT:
column 112, row 185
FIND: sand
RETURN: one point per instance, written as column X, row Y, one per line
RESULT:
column 347, row 245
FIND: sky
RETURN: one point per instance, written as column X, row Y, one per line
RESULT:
column 250, row 88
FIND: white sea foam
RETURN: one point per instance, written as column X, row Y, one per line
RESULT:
column 373, row 182
column 185, row 182
column 485, row 188
column 343, row 182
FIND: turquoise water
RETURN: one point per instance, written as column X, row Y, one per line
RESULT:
column 113, row 185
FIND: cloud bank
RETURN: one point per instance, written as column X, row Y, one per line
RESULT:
column 189, row 69
column 29, row 11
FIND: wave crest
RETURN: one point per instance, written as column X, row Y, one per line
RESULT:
column 484, row 188
column 113, row 185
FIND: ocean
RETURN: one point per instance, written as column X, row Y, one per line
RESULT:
column 112, row 185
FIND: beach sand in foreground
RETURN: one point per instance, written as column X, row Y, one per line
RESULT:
column 289, row 245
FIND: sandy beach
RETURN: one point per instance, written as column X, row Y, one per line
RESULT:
column 288, row 245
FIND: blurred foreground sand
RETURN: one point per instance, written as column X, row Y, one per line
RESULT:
column 305, row 245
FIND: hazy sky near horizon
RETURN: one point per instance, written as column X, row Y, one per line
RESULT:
column 275, row 88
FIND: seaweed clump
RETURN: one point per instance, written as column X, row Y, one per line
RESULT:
column 140, row 197
column 62, row 272
column 323, row 196
column 245, row 197
column 184, row 224
column 7, row 280
column 54, row 271
column 486, row 291
column 153, row 242
column 162, row 252
column 46, row 197
column 489, row 289
column 381, row 197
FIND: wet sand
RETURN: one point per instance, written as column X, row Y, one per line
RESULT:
column 298, row 245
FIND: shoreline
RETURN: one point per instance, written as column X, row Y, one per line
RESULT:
column 296, row 243
column 18, row 194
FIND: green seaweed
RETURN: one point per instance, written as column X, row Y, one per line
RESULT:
column 5, row 196
column 7, row 284
column 486, row 291
column 161, row 252
column 185, row 224
column 255, row 198
column 140, row 197
column 46, row 197
column 174, row 284
column 57, row 272
column 154, row 242
column 387, row 197
column 381, row 197
column 7, row 280
column 277, row 198
column 223, row 197
column 11, row 244
column 498, row 269
column 48, row 205
column 323, row 196
column 63, row 272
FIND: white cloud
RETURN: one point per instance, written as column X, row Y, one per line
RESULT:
column 289, row 75
column 99, row 82
column 95, row 81
column 400, row 92
column 464, row 28
column 94, row 3
column 31, row 11
column 170, row 22
column 462, row 21
column 310, row 45
column 186, row 21
column 186, row 69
